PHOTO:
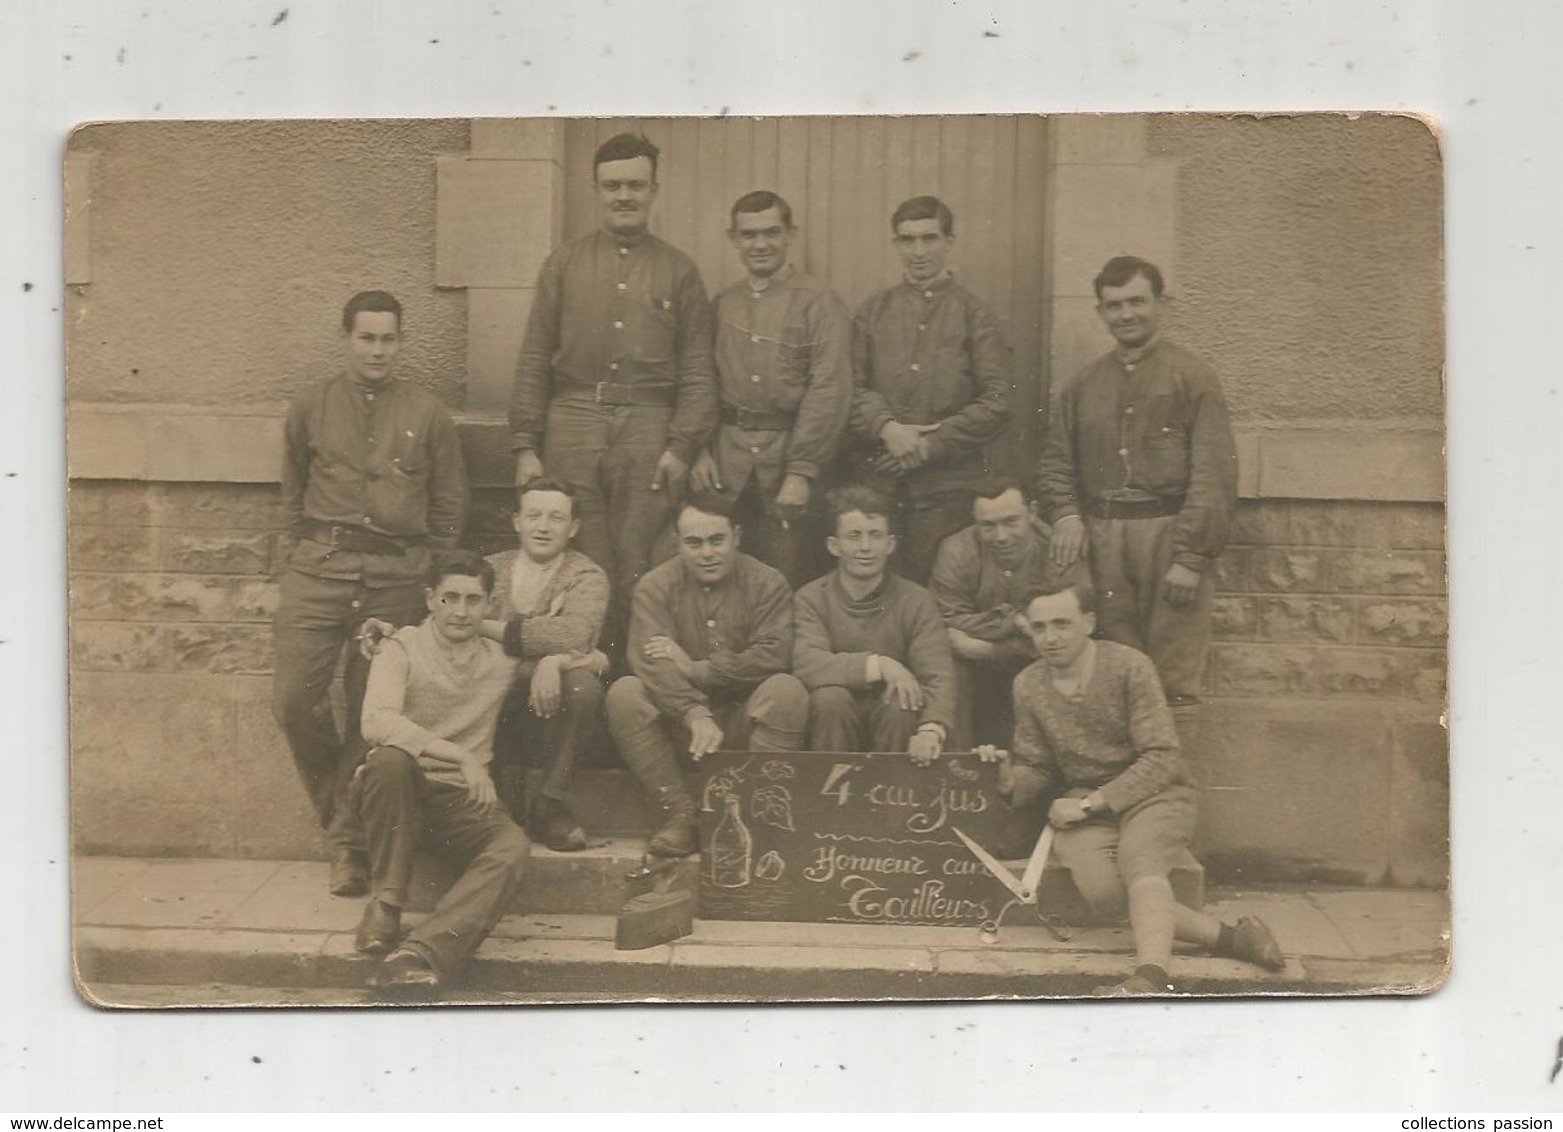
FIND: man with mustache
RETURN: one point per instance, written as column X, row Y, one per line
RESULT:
column 871, row 647
column 1139, row 470
column 932, row 386
column 711, row 640
column 614, row 386
column 784, row 364
column 372, row 483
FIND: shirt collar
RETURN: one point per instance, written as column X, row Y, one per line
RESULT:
column 941, row 282
column 774, row 283
column 619, row 241
column 1135, row 355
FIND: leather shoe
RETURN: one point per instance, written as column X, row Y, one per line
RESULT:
column 379, row 929
column 555, row 826
column 680, row 837
column 406, row 971
column 1253, row 941
column 349, row 873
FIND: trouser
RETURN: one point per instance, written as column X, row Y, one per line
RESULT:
column 315, row 618
column 400, row 808
column 523, row 741
column 1129, row 563
column 771, row 718
column 984, row 705
column 792, row 543
column 840, row 720
column 607, row 455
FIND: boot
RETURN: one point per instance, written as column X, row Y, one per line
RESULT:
column 552, row 824
column 680, row 833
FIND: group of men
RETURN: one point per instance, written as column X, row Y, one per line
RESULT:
column 760, row 429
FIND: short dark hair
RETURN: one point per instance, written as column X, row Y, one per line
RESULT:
column 463, row 563
column 1121, row 270
column 759, row 201
column 995, row 486
column 623, row 147
column 541, row 484
column 1085, row 594
column 859, row 498
column 924, row 208
column 371, row 302
column 706, row 505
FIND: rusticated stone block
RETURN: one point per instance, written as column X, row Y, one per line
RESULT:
column 1419, row 526
column 1234, row 618
column 253, row 599
column 220, row 649
column 233, row 506
column 1388, row 572
column 1286, row 570
column 1363, row 672
column 174, row 597
column 94, row 546
column 1419, row 805
column 1305, row 619
column 1404, row 621
column 224, row 552
column 117, row 646
column 1296, row 670
column 95, row 597
column 119, row 503
column 1429, row 669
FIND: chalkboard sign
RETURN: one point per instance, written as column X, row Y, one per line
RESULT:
column 863, row 839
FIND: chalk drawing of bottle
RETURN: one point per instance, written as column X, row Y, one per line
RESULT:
column 732, row 848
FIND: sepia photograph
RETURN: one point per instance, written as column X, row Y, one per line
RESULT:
column 761, row 559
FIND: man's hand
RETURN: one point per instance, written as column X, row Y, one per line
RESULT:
column 480, row 787
column 595, row 662
column 887, row 465
column 704, row 477
column 905, row 442
column 1068, row 542
column 1065, row 812
column 968, row 647
column 670, row 473
column 545, row 690
column 704, row 737
column 666, row 648
column 988, row 753
column 901, row 687
column 1181, row 584
column 529, row 466
column 370, row 634
column 924, row 747
column 793, row 496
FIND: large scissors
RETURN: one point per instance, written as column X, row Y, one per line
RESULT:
column 1023, row 888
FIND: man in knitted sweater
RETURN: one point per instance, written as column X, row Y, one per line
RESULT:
column 1092, row 725
column 871, row 647
column 430, row 708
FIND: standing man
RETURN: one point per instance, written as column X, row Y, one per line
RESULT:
column 432, row 702
column 932, row 386
column 551, row 601
column 372, row 482
column 614, row 385
column 1140, row 469
column 979, row 579
column 784, row 364
column 871, row 648
column 1092, row 725
column 710, row 646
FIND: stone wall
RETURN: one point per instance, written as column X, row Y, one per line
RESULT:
column 1320, row 749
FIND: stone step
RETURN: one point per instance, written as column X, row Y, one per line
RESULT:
column 593, row 881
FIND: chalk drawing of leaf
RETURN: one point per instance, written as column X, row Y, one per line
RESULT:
column 773, row 806
column 776, row 770
column 770, row 867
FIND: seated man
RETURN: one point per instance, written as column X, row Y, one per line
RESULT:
column 1091, row 721
column 550, row 602
column 710, row 643
column 430, row 708
column 979, row 578
column 871, row 647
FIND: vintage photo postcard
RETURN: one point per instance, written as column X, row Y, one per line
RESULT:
column 762, row 559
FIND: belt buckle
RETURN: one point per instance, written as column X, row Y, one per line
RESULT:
column 597, row 392
column 336, row 530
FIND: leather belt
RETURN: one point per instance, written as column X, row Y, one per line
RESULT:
column 613, row 393
column 1155, row 508
column 340, row 536
column 758, row 420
